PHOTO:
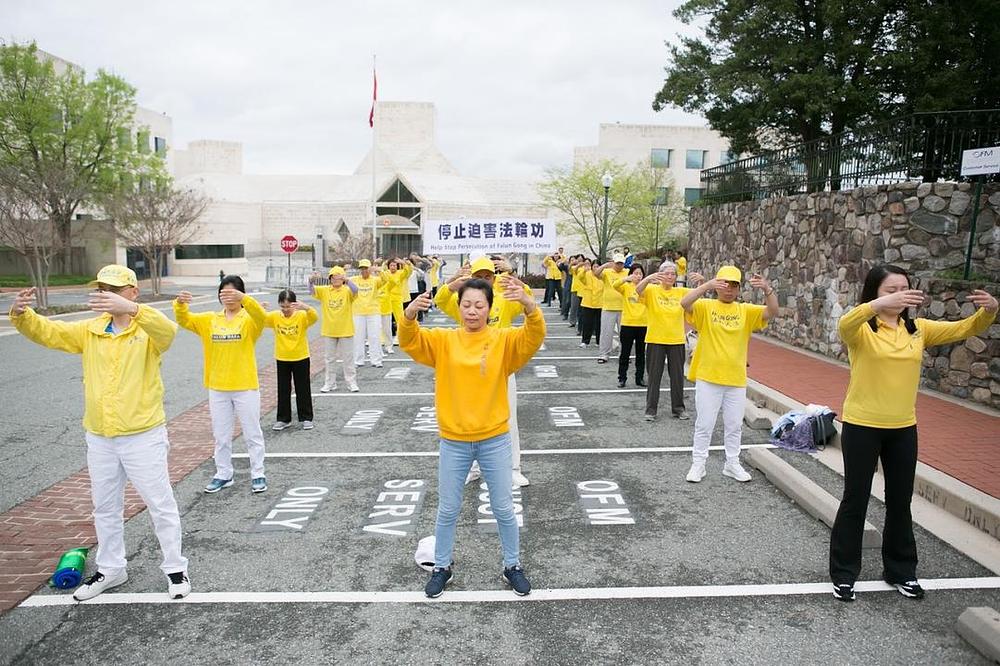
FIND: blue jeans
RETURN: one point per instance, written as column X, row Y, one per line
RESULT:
column 454, row 462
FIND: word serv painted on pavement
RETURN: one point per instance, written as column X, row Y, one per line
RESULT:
column 396, row 508
column 484, row 235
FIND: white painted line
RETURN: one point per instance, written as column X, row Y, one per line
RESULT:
column 548, row 392
column 527, row 452
column 492, row 596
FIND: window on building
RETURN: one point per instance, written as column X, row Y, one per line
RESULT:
column 160, row 145
column 696, row 159
column 727, row 156
column 343, row 231
column 208, row 252
column 397, row 192
column 662, row 196
column 660, row 158
column 692, row 195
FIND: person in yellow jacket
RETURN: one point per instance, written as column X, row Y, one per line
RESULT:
column 591, row 298
column 228, row 339
column 503, row 312
column 291, row 357
column 682, row 269
column 395, row 292
column 611, row 304
column 575, row 320
column 123, row 418
column 886, row 349
column 435, row 274
column 633, row 327
column 367, row 317
column 472, row 365
column 336, row 302
column 719, row 365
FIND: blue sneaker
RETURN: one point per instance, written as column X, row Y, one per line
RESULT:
column 440, row 577
column 258, row 485
column 215, row 485
column 514, row 576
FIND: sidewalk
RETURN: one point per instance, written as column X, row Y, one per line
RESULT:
column 961, row 442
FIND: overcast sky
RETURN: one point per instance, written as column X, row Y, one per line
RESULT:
column 516, row 84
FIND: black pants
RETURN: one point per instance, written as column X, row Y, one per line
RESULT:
column 590, row 322
column 862, row 448
column 299, row 371
column 575, row 318
column 567, row 297
column 628, row 335
column 672, row 356
column 551, row 291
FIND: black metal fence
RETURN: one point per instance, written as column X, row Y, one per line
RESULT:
column 923, row 146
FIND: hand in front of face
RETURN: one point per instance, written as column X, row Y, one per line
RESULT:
column 24, row 298
column 112, row 303
column 503, row 265
column 461, row 276
column 899, row 300
column 184, row 297
column 982, row 299
column 421, row 303
column 695, row 278
column 299, row 306
column 716, row 285
column 514, row 290
column 230, row 296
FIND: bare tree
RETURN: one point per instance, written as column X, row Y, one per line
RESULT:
column 155, row 219
column 352, row 249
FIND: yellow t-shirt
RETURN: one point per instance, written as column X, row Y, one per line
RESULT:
column 664, row 314
column 575, row 285
column 885, row 364
column 502, row 313
column 394, row 288
column 228, row 344
column 471, row 370
column 591, row 289
column 723, row 335
column 435, row 273
column 291, row 337
column 682, row 266
column 634, row 310
column 366, row 301
column 611, row 299
column 338, row 320
column 552, row 271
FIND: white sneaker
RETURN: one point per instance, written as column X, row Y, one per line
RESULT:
column 99, row 583
column 179, row 586
column 307, row 425
column 328, row 387
column 697, row 472
column 734, row 470
column 474, row 474
column 520, row 480
column 376, row 365
column 390, row 350
column 583, row 345
column 280, row 425
column 353, row 388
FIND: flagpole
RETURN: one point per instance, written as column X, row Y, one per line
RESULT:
column 374, row 102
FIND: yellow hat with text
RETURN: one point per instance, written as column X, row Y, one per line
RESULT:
column 729, row 274
column 116, row 275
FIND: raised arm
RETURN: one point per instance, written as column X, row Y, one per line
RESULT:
column 524, row 341
column 687, row 301
column 652, row 278
column 598, row 270
column 61, row 335
column 413, row 339
column 943, row 332
column 158, row 327
column 770, row 297
column 194, row 322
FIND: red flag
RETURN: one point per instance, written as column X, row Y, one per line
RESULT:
column 371, row 115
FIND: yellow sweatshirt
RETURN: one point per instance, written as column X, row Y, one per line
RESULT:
column 634, row 309
column 664, row 314
column 228, row 344
column 394, row 289
column 122, row 388
column 591, row 289
column 471, row 370
column 611, row 299
column 552, row 271
column 885, row 364
column 291, row 335
column 338, row 320
column 435, row 273
column 366, row 301
column 502, row 314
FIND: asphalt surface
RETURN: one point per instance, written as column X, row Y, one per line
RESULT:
column 718, row 532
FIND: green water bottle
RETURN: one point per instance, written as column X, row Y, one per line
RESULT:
column 69, row 571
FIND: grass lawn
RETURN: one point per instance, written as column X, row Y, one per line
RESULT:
column 54, row 280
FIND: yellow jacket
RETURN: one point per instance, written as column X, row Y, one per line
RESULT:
column 228, row 344
column 591, row 288
column 394, row 290
column 552, row 271
column 122, row 388
column 471, row 370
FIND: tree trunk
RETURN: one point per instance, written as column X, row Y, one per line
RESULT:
column 62, row 224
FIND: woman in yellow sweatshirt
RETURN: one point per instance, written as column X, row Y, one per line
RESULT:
column 886, row 348
column 291, row 356
column 591, row 292
column 228, row 339
column 471, row 366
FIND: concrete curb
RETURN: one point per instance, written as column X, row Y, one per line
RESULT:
column 973, row 506
column 980, row 627
column 804, row 491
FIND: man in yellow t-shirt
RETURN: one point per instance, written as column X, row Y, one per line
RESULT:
column 367, row 316
column 611, row 304
column 719, row 365
column 336, row 303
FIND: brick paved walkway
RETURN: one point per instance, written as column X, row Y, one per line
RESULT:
column 963, row 443
column 36, row 532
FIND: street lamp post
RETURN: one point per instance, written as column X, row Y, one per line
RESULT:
column 606, row 181
column 656, row 220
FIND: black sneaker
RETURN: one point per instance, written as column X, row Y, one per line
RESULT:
column 639, row 382
column 440, row 577
column 910, row 589
column 514, row 576
column 844, row 592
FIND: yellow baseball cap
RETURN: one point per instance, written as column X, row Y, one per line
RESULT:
column 116, row 275
column 338, row 270
column 364, row 263
column 482, row 264
column 729, row 274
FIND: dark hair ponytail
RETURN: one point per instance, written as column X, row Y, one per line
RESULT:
column 869, row 292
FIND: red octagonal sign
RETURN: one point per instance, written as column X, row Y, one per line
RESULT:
column 289, row 244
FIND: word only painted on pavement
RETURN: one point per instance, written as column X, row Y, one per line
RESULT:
column 565, row 417
column 426, row 420
column 396, row 508
column 398, row 373
column 603, row 504
column 484, row 515
column 294, row 509
column 362, row 422
column 546, row 371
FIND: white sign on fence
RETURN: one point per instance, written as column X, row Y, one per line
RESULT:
column 489, row 235
column 981, row 161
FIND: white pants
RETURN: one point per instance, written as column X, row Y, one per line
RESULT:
column 709, row 398
column 226, row 407
column 387, row 330
column 610, row 320
column 142, row 459
column 515, row 433
column 340, row 349
column 366, row 327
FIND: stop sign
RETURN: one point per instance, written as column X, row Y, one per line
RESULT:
column 289, row 244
